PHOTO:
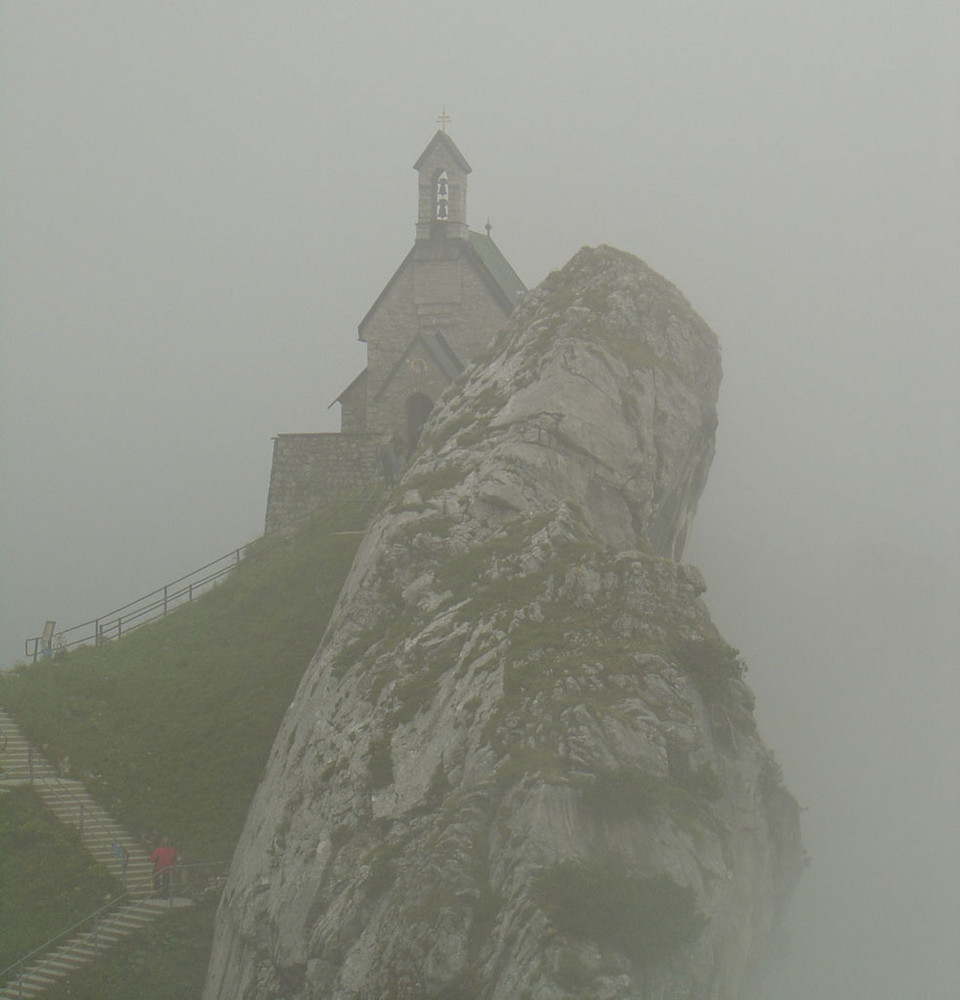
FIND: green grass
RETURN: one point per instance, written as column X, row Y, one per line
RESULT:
column 47, row 880
column 170, row 728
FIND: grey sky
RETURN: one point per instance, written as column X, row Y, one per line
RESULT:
column 200, row 202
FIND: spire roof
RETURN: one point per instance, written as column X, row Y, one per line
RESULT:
column 448, row 146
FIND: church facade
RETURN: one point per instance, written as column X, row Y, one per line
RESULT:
column 446, row 301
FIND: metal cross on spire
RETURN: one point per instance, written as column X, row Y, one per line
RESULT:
column 443, row 119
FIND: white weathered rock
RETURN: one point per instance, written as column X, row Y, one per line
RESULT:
column 523, row 763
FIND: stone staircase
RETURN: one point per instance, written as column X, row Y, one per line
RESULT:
column 84, row 947
column 70, row 802
column 107, row 841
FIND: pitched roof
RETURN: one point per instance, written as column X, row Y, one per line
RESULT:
column 443, row 354
column 448, row 146
column 383, row 293
column 498, row 267
column 352, row 385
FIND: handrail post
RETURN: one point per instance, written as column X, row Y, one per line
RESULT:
column 165, row 599
column 30, row 762
column 20, row 980
column 81, row 819
column 97, row 637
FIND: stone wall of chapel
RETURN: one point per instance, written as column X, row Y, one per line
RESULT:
column 353, row 408
column 388, row 332
column 481, row 317
column 309, row 470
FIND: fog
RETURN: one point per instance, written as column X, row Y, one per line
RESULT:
column 200, row 202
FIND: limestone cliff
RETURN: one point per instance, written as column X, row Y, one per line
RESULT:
column 523, row 763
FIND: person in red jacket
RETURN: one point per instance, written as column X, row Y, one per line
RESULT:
column 163, row 858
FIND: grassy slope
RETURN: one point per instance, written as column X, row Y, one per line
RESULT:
column 171, row 726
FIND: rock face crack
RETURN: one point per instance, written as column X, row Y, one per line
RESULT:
column 523, row 762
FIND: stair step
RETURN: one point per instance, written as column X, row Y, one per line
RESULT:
column 83, row 954
column 108, row 938
column 104, row 841
column 129, row 927
column 62, row 965
column 40, row 979
column 42, row 974
column 27, row 993
column 117, row 923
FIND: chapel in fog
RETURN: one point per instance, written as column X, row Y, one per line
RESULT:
column 451, row 294
column 453, row 291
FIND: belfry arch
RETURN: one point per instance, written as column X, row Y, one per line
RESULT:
column 443, row 197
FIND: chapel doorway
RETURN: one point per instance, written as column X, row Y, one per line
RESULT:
column 418, row 409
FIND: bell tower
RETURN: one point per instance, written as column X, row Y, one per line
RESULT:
column 442, row 185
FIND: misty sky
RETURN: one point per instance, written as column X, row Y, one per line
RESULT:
column 200, row 201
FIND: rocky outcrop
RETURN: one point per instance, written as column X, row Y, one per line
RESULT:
column 523, row 763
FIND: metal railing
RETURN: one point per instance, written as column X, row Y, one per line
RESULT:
column 189, row 881
column 159, row 602
column 143, row 610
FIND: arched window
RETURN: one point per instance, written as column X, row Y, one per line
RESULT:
column 418, row 410
column 443, row 197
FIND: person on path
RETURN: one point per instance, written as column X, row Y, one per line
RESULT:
column 164, row 858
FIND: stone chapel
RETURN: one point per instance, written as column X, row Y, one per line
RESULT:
column 446, row 301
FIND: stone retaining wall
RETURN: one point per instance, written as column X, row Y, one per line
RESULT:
column 310, row 469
